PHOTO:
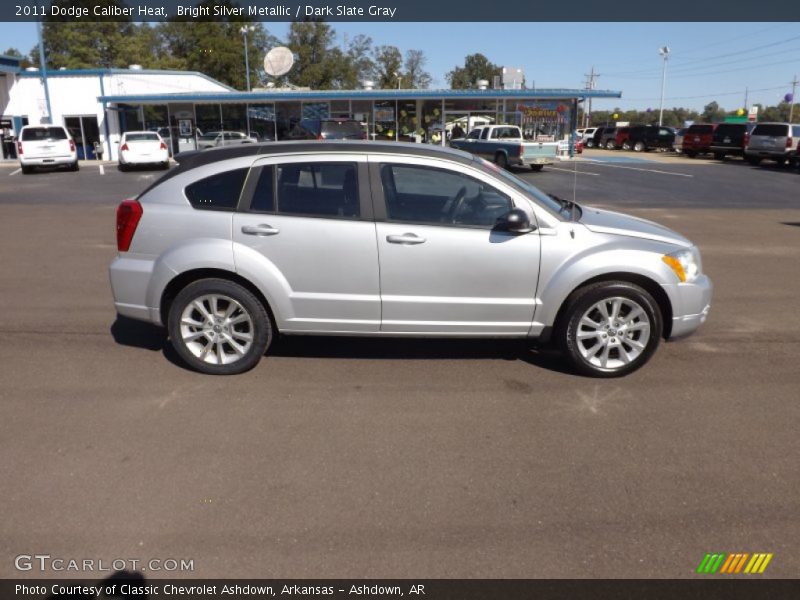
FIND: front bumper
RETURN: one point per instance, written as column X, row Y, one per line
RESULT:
column 691, row 303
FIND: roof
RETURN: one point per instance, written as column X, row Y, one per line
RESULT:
column 9, row 64
column 99, row 72
column 393, row 94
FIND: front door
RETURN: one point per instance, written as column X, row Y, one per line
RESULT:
column 444, row 268
column 309, row 234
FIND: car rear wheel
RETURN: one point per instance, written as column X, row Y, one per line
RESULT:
column 719, row 155
column 501, row 160
column 590, row 143
column 610, row 329
column 690, row 153
column 610, row 145
column 638, row 147
column 26, row 170
column 537, row 167
column 626, row 145
column 219, row 327
column 754, row 160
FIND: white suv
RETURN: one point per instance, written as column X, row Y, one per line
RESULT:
column 46, row 146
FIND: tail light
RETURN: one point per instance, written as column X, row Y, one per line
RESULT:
column 320, row 137
column 521, row 150
column 124, row 148
column 72, row 145
column 128, row 214
column 746, row 139
column 788, row 142
column 163, row 146
column 19, row 148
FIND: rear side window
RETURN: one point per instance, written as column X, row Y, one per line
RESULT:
column 795, row 130
column 772, row 129
column 217, row 192
column 43, row 133
column 318, row 190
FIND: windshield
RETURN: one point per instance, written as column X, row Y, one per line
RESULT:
column 544, row 199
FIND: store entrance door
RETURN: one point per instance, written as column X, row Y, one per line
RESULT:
column 86, row 133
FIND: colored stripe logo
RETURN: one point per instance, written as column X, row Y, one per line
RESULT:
column 731, row 564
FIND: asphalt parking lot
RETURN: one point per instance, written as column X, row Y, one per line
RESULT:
column 401, row 458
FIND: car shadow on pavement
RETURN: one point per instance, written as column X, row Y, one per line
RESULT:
column 130, row 332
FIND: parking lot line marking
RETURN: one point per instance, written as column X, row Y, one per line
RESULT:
column 14, row 172
column 102, row 170
column 573, row 171
column 604, row 164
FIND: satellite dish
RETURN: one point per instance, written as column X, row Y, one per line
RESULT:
column 278, row 61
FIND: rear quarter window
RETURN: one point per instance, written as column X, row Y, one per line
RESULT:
column 772, row 129
column 217, row 192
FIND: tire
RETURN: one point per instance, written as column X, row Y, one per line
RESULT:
column 591, row 354
column 639, row 147
column 590, row 143
column 690, row 153
column 753, row 160
column 206, row 347
column 780, row 161
column 26, row 170
column 610, row 145
column 122, row 167
column 75, row 166
column 719, row 155
column 165, row 165
column 626, row 145
column 537, row 168
column 501, row 160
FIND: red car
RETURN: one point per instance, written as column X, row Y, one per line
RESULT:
column 698, row 138
column 620, row 139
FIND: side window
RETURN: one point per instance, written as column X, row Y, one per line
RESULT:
column 796, row 131
column 485, row 133
column 436, row 196
column 474, row 134
column 264, row 194
column 318, row 190
column 217, row 192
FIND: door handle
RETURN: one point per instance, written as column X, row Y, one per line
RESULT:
column 406, row 238
column 260, row 230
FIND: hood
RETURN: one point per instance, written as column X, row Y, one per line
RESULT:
column 606, row 221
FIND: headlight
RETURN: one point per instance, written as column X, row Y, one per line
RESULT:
column 685, row 263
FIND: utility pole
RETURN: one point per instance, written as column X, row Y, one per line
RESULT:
column 590, row 85
column 791, row 103
column 746, row 92
column 664, row 52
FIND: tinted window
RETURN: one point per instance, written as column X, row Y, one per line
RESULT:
column 428, row 195
column 772, row 129
column 700, row 129
column 218, row 192
column 730, row 129
column 795, row 130
column 264, row 194
column 321, row 189
column 141, row 137
column 43, row 133
column 474, row 134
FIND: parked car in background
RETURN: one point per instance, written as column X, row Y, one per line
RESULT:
column 697, row 139
column 677, row 145
column 328, row 129
column 216, row 139
column 387, row 239
column 773, row 141
column 606, row 138
column 620, row 139
column 649, row 137
column 505, row 146
column 142, row 148
column 730, row 139
column 588, row 136
column 46, row 146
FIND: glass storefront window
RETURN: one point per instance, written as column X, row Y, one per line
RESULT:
column 407, row 122
column 385, row 124
column 316, row 110
column 287, row 115
column 209, row 118
column 262, row 121
column 234, row 118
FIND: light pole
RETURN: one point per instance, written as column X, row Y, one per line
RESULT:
column 664, row 52
column 244, row 31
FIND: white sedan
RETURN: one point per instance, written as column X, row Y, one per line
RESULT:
column 142, row 148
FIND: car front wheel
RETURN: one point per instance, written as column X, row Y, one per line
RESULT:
column 219, row 327
column 610, row 329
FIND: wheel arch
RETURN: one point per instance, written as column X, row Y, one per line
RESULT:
column 183, row 279
column 649, row 285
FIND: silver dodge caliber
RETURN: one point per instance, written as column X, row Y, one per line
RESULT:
column 237, row 245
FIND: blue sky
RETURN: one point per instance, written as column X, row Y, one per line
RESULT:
column 708, row 61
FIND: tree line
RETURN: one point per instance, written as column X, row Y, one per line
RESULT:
column 676, row 117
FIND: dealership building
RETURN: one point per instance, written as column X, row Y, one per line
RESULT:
column 98, row 105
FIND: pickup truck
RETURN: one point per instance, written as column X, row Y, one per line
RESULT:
column 504, row 145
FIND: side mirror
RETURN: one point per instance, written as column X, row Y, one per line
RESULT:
column 515, row 221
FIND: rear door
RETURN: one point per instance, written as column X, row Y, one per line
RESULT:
column 444, row 269
column 45, row 142
column 307, row 233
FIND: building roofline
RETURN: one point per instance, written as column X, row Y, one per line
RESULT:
column 277, row 95
column 10, row 64
column 98, row 72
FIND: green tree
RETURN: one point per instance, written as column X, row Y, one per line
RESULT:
column 416, row 77
column 320, row 64
column 712, row 113
column 476, row 66
column 359, row 64
column 389, row 67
